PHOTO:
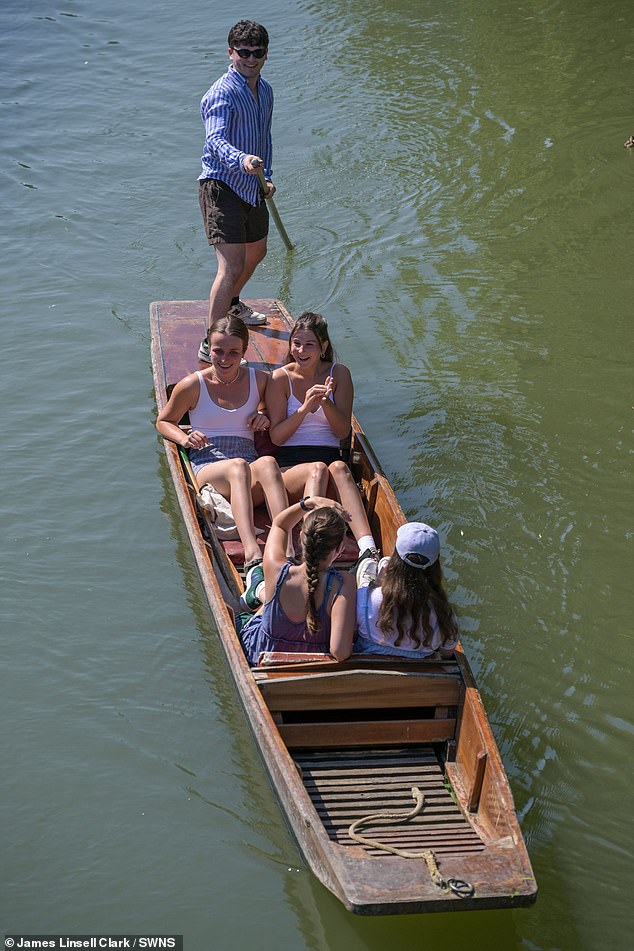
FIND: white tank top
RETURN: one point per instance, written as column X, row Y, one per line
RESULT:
column 314, row 429
column 213, row 420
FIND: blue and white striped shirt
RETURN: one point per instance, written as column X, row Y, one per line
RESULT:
column 237, row 124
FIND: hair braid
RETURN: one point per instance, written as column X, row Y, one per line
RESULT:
column 323, row 531
column 310, row 553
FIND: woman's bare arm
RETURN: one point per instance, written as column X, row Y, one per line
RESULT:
column 338, row 411
column 343, row 619
column 184, row 397
column 277, row 394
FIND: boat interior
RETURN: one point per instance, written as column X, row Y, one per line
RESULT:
column 364, row 732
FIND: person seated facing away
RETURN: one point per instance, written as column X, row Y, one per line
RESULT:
column 309, row 403
column 309, row 606
column 225, row 403
column 402, row 606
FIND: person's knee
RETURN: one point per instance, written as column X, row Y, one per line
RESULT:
column 229, row 274
column 339, row 470
column 239, row 470
column 268, row 467
column 318, row 472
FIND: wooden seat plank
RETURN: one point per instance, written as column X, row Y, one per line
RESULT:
column 360, row 786
column 374, row 731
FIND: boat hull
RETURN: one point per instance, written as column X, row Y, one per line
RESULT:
column 342, row 740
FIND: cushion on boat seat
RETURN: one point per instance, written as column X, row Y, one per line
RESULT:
column 286, row 657
column 267, row 658
column 264, row 445
column 350, row 551
column 233, row 548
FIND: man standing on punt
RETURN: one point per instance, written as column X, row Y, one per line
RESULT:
column 237, row 112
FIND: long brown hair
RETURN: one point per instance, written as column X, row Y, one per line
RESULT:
column 408, row 593
column 317, row 325
column 323, row 530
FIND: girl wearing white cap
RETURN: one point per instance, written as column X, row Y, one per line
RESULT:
column 402, row 606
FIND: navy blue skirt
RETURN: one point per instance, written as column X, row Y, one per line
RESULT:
column 296, row 455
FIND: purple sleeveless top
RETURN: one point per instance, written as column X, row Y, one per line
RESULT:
column 272, row 630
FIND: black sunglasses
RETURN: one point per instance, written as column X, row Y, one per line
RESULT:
column 244, row 54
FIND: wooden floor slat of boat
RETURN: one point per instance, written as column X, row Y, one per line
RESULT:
column 345, row 786
column 358, row 759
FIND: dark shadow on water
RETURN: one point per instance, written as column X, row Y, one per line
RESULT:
column 259, row 812
column 327, row 926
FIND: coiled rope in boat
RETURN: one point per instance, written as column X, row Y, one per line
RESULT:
column 456, row 885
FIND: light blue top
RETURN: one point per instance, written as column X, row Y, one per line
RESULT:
column 236, row 125
column 370, row 640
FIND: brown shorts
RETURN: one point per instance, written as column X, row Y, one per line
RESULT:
column 228, row 218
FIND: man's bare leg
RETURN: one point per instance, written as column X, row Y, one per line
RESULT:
column 236, row 264
column 231, row 260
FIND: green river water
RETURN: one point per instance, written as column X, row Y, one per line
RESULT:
column 454, row 177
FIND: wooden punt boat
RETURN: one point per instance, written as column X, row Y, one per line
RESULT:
column 342, row 741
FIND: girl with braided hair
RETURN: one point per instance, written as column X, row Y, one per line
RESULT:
column 308, row 606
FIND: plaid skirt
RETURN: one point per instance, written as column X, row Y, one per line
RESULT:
column 221, row 448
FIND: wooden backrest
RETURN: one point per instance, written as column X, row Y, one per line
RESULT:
column 360, row 690
column 359, row 705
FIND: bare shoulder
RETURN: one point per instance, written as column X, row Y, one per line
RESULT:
column 189, row 384
column 183, row 398
column 262, row 378
column 273, row 563
column 344, row 597
column 348, row 584
column 279, row 373
column 279, row 380
column 341, row 372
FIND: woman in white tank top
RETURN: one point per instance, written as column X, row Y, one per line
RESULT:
column 224, row 403
column 309, row 403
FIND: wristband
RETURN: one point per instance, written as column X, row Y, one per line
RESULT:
column 302, row 503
